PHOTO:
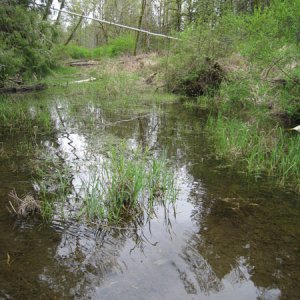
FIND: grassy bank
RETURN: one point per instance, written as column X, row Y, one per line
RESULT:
column 245, row 71
column 258, row 149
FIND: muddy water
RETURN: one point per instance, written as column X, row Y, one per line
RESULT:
column 231, row 238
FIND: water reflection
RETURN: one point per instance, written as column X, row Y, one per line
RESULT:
column 230, row 239
column 248, row 243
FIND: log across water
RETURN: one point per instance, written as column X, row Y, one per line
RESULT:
column 23, row 89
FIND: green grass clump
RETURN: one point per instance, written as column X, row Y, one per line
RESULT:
column 23, row 115
column 128, row 185
column 272, row 152
column 53, row 181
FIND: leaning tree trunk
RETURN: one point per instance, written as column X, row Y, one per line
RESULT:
column 105, row 34
column 47, row 9
column 62, row 5
column 139, row 25
column 74, row 30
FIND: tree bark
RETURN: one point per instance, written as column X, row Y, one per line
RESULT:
column 47, row 9
column 62, row 5
column 104, row 33
column 178, row 15
column 74, row 30
column 139, row 26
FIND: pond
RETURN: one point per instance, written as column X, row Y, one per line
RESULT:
column 231, row 236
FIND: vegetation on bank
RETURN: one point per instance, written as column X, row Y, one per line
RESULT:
column 30, row 45
column 119, row 46
column 26, row 44
column 245, row 70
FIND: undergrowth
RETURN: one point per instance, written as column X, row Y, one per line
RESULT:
column 257, row 98
column 261, row 150
column 121, row 45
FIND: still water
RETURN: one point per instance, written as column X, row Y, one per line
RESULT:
column 232, row 237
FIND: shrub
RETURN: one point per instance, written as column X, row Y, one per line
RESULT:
column 193, row 67
column 121, row 45
column 25, row 43
column 77, row 52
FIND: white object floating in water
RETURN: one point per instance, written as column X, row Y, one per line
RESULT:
column 85, row 80
column 297, row 128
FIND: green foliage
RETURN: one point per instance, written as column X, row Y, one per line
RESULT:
column 128, row 185
column 267, row 34
column 77, row 52
column 272, row 151
column 121, row 45
column 259, row 49
column 25, row 43
column 193, row 61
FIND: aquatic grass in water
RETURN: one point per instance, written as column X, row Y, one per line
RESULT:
column 53, row 183
column 231, row 136
column 21, row 114
column 127, row 185
column 273, row 152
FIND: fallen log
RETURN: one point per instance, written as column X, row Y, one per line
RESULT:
column 77, row 61
column 85, row 80
column 23, row 89
column 83, row 63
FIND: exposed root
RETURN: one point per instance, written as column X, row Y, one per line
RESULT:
column 23, row 206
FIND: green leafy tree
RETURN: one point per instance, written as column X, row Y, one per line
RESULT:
column 26, row 41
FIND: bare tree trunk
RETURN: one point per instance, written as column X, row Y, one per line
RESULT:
column 62, row 5
column 147, row 25
column 190, row 11
column 178, row 15
column 105, row 34
column 160, row 9
column 139, row 25
column 166, row 17
column 47, row 9
column 74, row 30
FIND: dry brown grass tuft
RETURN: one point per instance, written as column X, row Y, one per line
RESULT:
column 24, row 206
